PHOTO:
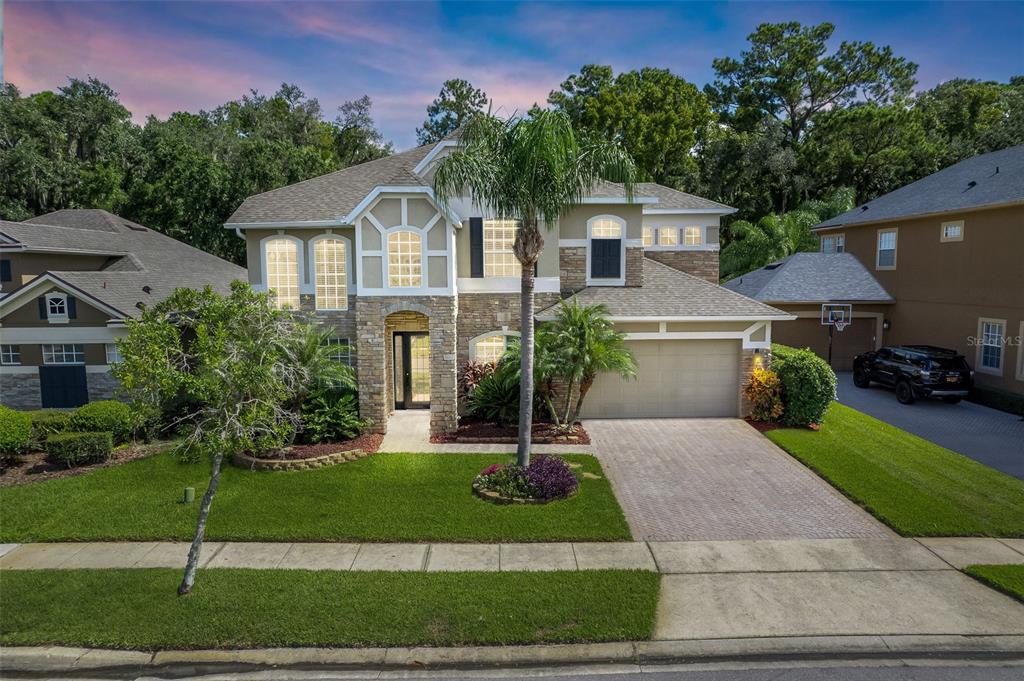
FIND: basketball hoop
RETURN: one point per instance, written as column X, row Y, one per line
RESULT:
column 840, row 324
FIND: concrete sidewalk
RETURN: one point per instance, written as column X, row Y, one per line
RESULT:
column 669, row 558
column 409, row 431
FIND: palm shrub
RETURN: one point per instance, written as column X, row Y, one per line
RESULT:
column 496, row 397
column 331, row 415
column 532, row 169
column 808, row 385
column 313, row 364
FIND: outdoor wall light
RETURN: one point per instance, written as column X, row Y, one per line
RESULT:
column 758, row 358
column 886, row 325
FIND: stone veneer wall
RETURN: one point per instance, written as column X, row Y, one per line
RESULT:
column 746, row 369
column 703, row 264
column 20, row 391
column 101, row 386
column 342, row 322
column 373, row 350
column 634, row 266
column 572, row 266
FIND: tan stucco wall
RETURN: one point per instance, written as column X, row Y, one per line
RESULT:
column 253, row 256
column 547, row 265
column 25, row 266
column 943, row 288
column 574, row 224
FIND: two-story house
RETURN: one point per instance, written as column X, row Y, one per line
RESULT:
column 69, row 280
column 949, row 250
column 414, row 291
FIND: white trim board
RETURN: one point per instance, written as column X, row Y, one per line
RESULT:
column 6, row 305
column 27, row 335
column 505, row 285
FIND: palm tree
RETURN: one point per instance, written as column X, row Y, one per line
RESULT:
column 531, row 169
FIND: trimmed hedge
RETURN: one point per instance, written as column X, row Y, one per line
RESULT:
column 111, row 416
column 1003, row 400
column 46, row 422
column 15, row 432
column 76, row 449
column 808, row 385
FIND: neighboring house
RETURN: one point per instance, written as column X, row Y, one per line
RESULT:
column 802, row 283
column 949, row 248
column 416, row 291
column 68, row 281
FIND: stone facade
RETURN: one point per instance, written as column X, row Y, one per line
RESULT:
column 634, row 266
column 101, row 385
column 703, row 264
column 20, row 391
column 572, row 265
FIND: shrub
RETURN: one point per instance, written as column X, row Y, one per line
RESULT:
column 547, row 478
column 765, row 394
column 330, row 415
column 46, row 422
column 111, row 416
column 472, row 374
column 1003, row 400
column 77, row 449
column 15, row 432
column 808, row 385
column 496, row 398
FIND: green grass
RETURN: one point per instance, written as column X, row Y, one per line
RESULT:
column 916, row 487
column 386, row 497
column 139, row 609
column 1006, row 578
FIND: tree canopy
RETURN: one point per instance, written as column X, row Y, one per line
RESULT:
column 457, row 101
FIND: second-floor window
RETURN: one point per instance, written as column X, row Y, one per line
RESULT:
column 648, row 234
column 886, row 257
column 499, row 260
column 405, row 260
column 953, row 231
column 833, row 243
column 692, row 236
column 606, row 253
column 331, row 271
column 668, row 236
column 57, row 307
column 10, row 355
column 282, row 257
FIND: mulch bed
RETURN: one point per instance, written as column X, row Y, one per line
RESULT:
column 479, row 432
column 35, row 467
column 368, row 442
column 765, row 426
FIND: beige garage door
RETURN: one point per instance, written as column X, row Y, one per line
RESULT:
column 675, row 378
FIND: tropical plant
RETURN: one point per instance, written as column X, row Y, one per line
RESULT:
column 765, row 394
column 472, row 373
column 331, row 415
column 496, row 397
column 532, row 169
column 314, row 363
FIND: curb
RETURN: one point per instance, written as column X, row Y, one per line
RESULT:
column 58, row 659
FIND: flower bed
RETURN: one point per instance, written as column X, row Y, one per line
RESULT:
column 481, row 432
column 307, row 457
column 546, row 479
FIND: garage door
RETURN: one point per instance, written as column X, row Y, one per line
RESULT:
column 675, row 378
column 858, row 337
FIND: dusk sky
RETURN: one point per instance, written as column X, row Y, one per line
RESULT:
column 169, row 56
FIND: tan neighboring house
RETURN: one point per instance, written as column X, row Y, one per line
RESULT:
column 949, row 249
column 415, row 291
column 68, row 282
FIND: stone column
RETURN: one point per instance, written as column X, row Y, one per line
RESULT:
column 370, row 372
column 444, row 393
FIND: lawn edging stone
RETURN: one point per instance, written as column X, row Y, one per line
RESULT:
column 257, row 464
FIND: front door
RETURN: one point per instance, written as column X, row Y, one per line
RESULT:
column 412, row 370
column 62, row 387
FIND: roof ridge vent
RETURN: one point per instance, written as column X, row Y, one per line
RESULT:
column 864, row 207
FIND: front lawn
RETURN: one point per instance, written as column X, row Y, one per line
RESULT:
column 140, row 609
column 916, row 487
column 1006, row 578
column 385, row 497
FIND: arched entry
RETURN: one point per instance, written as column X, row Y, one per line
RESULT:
column 407, row 359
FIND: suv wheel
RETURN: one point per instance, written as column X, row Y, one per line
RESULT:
column 904, row 393
column 861, row 378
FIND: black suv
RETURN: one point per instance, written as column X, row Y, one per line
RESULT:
column 915, row 371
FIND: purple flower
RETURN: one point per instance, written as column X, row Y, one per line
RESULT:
column 550, row 478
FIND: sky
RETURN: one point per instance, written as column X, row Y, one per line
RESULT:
column 170, row 56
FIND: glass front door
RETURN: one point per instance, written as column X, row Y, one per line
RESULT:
column 412, row 370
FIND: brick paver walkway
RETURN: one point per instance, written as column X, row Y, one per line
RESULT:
column 718, row 479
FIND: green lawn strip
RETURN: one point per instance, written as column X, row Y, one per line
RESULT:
column 139, row 609
column 385, row 497
column 916, row 487
column 1006, row 578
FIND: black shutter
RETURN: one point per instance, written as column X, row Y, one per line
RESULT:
column 5, row 270
column 42, row 307
column 476, row 247
column 72, row 312
column 605, row 258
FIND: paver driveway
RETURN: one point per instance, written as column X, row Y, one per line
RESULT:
column 706, row 479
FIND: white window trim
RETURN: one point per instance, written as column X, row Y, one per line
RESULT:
column 300, row 262
column 836, row 238
column 895, row 250
column 350, row 281
column 57, row 318
column 12, row 353
column 500, row 332
column 511, row 250
column 43, row 353
column 978, row 366
column 704, row 244
column 621, row 280
column 424, row 274
column 112, row 354
column 951, row 223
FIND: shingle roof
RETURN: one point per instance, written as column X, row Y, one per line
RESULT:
column 986, row 180
column 331, row 196
column 139, row 257
column 673, row 198
column 811, row 277
column 667, row 292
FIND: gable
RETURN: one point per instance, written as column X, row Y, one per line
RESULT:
column 25, row 311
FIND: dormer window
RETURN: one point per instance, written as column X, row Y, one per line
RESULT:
column 57, row 308
column 605, row 235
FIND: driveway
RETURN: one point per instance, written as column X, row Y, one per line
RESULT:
column 717, row 479
column 991, row 437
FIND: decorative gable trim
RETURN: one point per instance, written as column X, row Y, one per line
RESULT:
column 23, row 295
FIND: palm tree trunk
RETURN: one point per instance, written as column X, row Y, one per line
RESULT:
column 585, row 385
column 526, row 368
column 568, row 404
column 197, row 542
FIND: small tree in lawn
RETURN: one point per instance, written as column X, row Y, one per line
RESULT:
column 531, row 169
column 227, row 355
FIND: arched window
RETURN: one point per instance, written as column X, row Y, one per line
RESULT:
column 490, row 348
column 605, row 237
column 331, row 274
column 405, row 259
column 282, row 261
